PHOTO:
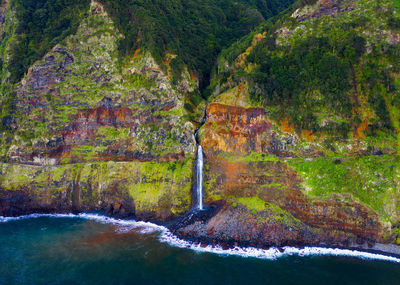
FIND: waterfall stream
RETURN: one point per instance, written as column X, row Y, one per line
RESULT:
column 199, row 169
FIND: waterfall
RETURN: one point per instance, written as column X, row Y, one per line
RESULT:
column 199, row 177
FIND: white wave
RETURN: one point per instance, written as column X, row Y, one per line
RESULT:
column 93, row 217
column 35, row 216
column 168, row 237
column 274, row 253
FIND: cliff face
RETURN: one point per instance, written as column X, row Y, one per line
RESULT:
column 80, row 104
column 298, row 148
column 79, row 109
column 262, row 200
column 145, row 190
column 300, row 136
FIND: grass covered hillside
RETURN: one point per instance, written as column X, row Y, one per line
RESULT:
column 329, row 67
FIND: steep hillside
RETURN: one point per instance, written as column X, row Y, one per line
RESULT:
column 162, row 27
column 301, row 136
column 181, row 36
column 98, row 96
column 300, row 123
column 82, row 114
column 330, row 68
column 194, row 31
column 33, row 27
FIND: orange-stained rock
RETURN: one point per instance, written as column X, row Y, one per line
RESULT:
column 234, row 129
column 229, row 138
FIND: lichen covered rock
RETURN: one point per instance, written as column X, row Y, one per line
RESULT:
column 248, row 168
column 145, row 190
column 81, row 104
column 99, row 132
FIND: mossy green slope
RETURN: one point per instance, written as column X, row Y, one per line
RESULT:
column 324, row 74
column 330, row 67
column 148, row 190
column 79, row 110
column 374, row 180
column 101, row 106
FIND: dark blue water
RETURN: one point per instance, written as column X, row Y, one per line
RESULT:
column 49, row 250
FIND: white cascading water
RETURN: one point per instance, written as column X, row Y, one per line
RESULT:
column 200, row 177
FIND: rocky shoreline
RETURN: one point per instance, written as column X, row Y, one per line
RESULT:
column 200, row 243
column 220, row 224
column 195, row 216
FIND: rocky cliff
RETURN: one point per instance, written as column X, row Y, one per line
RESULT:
column 285, row 163
column 300, row 133
column 261, row 199
column 94, row 133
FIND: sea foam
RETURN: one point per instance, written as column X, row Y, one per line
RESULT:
column 165, row 236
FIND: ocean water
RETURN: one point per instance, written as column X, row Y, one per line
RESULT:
column 90, row 249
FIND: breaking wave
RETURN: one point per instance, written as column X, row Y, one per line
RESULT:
column 167, row 237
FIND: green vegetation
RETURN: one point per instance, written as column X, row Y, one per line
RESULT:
column 309, row 65
column 266, row 212
column 237, row 96
column 41, row 25
column 195, row 31
column 253, row 156
column 253, row 203
column 333, row 74
column 284, row 217
column 372, row 180
column 91, row 76
column 164, row 184
column 112, row 133
column 30, row 30
column 161, row 188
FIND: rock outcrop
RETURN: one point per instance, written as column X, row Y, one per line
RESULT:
column 142, row 190
column 289, row 159
column 262, row 196
column 80, row 112
column 78, row 104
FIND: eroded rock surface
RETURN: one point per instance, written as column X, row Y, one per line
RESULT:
column 264, row 201
column 80, row 111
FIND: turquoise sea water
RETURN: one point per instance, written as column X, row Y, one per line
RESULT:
column 74, row 250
